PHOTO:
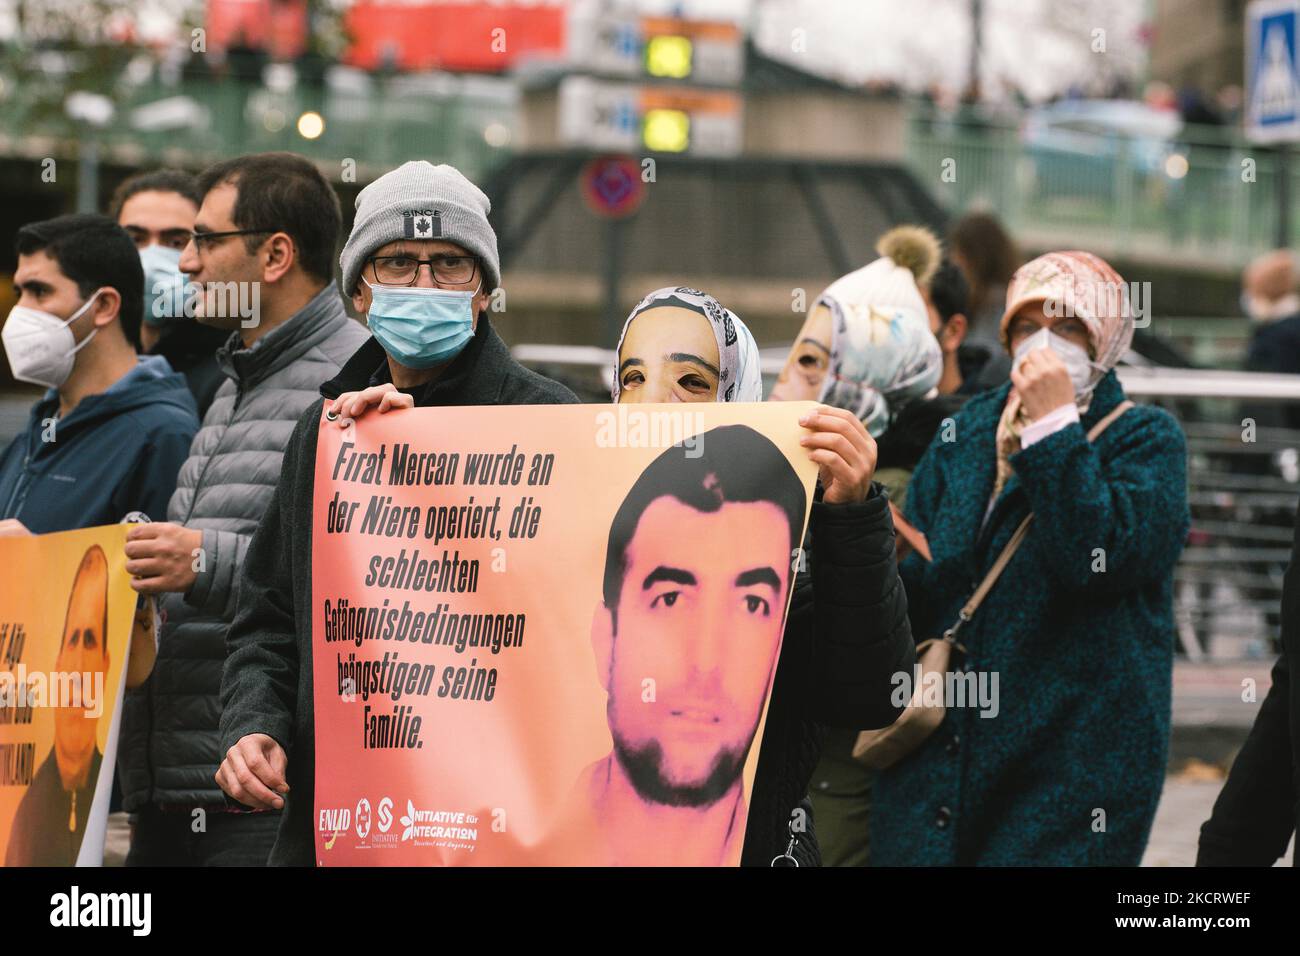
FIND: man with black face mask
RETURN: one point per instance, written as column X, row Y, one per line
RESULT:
column 421, row 263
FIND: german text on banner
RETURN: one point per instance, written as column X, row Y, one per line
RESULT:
column 548, row 634
column 66, row 610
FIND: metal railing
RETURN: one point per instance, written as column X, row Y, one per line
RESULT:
column 376, row 122
column 1203, row 196
column 1243, row 474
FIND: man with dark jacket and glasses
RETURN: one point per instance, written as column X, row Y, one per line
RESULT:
column 421, row 264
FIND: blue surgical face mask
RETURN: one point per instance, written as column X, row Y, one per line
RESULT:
column 420, row 328
column 164, row 285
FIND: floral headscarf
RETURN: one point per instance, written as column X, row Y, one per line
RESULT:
column 883, row 354
column 1079, row 284
column 740, row 379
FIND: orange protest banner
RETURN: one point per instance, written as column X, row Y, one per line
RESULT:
column 547, row 635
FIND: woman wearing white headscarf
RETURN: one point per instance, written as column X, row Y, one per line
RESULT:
column 837, row 664
column 687, row 348
column 867, row 347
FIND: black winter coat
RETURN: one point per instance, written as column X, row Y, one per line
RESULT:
column 846, row 637
column 1259, row 806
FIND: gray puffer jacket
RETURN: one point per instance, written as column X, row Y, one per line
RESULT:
column 169, row 749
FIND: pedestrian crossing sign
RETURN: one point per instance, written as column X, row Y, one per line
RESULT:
column 1272, row 71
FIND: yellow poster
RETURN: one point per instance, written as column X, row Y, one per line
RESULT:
column 66, row 610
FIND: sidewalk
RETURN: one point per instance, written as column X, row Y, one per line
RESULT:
column 1210, row 723
column 1184, row 806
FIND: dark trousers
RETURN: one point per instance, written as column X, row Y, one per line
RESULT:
column 216, row 837
column 841, row 798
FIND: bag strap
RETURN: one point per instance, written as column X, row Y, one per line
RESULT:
column 990, row 579
column 909, row 536
column 1008, row 552
column 1105, row 423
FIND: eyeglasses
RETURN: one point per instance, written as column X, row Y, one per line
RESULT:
column 402, row 270
column 200, row 239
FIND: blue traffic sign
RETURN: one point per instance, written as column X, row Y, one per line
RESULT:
column 1273, row 70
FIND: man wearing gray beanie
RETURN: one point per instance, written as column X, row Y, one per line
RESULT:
column 423, row 203
column 421, row 264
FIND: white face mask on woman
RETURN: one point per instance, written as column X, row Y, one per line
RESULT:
column 1083, row 372
column 41, row 347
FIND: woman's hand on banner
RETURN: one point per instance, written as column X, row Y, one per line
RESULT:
column 12, row 527
column 844, row 451
column 349, row 406
column 253, row 772
column 162, row 556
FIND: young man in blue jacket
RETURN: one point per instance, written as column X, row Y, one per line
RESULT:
column 111, row 432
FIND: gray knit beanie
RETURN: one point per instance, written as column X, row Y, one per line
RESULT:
column 419, row 200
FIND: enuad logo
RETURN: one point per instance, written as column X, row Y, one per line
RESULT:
column 333, row 821
column 103, row 909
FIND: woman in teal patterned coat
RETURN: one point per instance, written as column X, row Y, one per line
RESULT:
column 1062, row 760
